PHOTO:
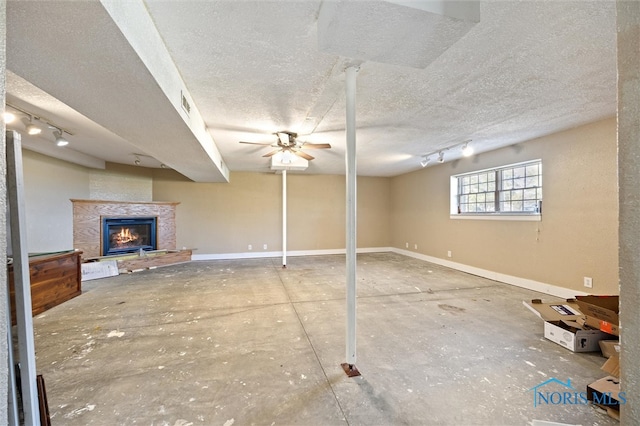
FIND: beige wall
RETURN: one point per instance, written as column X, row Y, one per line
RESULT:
column 49, row 184
column 227, row 218
column 119, row 182
column 577, row 236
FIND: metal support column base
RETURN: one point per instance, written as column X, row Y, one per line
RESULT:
column 284, row 266
column 350, row 370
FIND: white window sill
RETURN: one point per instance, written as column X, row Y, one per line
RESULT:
column 516, row 217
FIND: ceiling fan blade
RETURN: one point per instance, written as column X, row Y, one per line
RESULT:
column 258, row 143
column 272, row 153
column 307, row 145
column 302, row 154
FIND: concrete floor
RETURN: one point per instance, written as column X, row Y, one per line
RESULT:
column 244, row 342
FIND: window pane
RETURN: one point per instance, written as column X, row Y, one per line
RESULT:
column 465, row 189
column 530, row 206
column 463, row 208
column 518, row 172
column 507, row 184
column 482, row 178
column 505, row 207
column 481, row 198
column 505, row 196
column 530, row 194
column 465, row 180
column 491, row 186
column 532, row 170
column 491, row 196
column 507, row 174
column 473, row 188
column 472, row 198
column 480, row 207
column 532, row 181
column 516, row 206
column 472, row 208
column 473, row 179
column 490, row 207
column 463, row 199
column 482, row 187
column 516, row 195
column 518, row 183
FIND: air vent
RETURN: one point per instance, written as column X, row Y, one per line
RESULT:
column 185, row 103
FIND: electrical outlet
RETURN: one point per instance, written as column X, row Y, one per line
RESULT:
column 264, row 246
column 588, row 282
column 406, row 245
column 449, row 253
column 415, row 247
column 250, row 247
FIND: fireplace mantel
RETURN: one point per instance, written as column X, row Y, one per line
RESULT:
column 87, row 224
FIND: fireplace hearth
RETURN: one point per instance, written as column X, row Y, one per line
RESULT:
column 128, row 234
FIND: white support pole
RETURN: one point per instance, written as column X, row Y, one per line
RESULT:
column 350, row 87
column 22, row 281
column 284, row 218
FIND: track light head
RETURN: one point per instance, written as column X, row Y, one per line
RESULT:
column 8, row 117
column 136, row 161
column 441, row 157
column 467, row 150
column 425, row 160
column 31, row 128
column 60, row 139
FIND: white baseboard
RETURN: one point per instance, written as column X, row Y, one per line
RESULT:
column 538, row 286
column 293, row 253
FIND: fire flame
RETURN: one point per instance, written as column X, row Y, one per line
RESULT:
column 124, row 236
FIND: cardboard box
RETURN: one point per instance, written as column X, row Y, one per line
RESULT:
column 609, row 348
column 612, row 366
column 606, row 393
column 561, row 326
column 601, row 312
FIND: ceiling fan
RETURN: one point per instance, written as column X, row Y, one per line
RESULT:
column 288, row 144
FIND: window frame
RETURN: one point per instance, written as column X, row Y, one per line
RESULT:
column 456, row 190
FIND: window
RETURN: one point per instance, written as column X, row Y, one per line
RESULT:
column 515, row 189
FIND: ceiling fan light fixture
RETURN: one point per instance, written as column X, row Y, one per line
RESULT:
column 287, row 157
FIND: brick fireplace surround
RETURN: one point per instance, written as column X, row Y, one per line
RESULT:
column 87, row 222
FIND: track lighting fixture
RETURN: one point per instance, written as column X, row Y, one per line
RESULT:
column 467, row 150
column 29, row 127
column 60, row 139
column 29, row 119
column 136, row 161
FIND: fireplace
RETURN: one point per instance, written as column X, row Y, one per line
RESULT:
column 128, row 234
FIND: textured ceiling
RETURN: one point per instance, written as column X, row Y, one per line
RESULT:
column 251, row 68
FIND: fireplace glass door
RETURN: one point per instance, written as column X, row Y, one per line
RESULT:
column 128, row 234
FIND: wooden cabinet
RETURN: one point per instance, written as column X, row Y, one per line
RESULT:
column 55, row 278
